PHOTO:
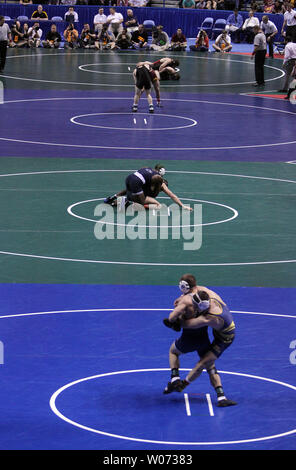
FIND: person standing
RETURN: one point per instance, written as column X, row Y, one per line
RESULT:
column 289, row 62
column 289, row 22
column 259, row 52
column 270, row 31
column 5, row 36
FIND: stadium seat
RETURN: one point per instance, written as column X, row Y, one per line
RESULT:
column 57, row 18
column 22, row 18
column 207, row 25
column 219, row 26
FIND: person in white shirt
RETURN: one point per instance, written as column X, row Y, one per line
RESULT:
column 35, row 35
column 115, row 20
column 248, row 26
column 289, row 61
column 270, row 31
column 223, row 43
column 289, row 22
column 71, row 16
column 259, row 53
column 99, row 20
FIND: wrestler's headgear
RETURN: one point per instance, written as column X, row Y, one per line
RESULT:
column 160, row 169
column 184, row 287
column 175, row 63
column 201, row 300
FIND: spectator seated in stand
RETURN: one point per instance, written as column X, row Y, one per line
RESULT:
column 114, row 22
column 188, row 4
column 221, row 5
column 137, row 3
column 26, row 2
column 248, row 26
column 178, row 41
column 278, row 8
column 39, row 14
column 87, row 38
column 200, row 5
column 222, row 43
column 131, row 23
column 234, row 25
column 99, row 20
column 71, row 16
column 268, row 6
column 201, row 42
column 52, row 39
column 211, row 5
column 160, row 39
column 140, row 38
column 71, row 37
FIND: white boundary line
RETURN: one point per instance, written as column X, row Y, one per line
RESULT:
column 133, row 309
column 193, row 122
column 56, row 144
column 187, row 404
column 52, row 404
column 27, row 255
column 210, row 405
column 282, row 73
column 235, row 214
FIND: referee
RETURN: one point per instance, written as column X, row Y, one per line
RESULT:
column 259, row 53
column 5, row 36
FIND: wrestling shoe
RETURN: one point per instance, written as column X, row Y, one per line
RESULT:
column 226, row 402
column 110, row 200
column 175, row 386
column 134, row 108
column 151, row 109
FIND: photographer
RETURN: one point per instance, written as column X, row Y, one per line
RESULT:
column 87, row 37
column 35, row 34
column 123, row 40
column 71, row 37
column 106, row 39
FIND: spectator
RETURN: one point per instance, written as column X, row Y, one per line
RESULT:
column 123, row 40
column 114, row 21
column 16, row 32
column 248, row 26
column 201, row 5
column 201, row 42
column 278, row 8
column 268, row 6
column 289, row 22
column 270, row 31
column 71, row 37
column 222, row 43
column 121, row 3
column 23, row 40
column 140, row 38
column 234, row 25
column 211, row 5
column 52, row 39
column 35, row 35
column 178, row 41
column 131, row 22
column 221, row 5
column 26, row 2
column 99, row 20
column 39, row 14
column 188, row 4
column 68, row 2
column 87, row 38
column 137, row 3
column 106, row 38
column 71, row 16
column 160, row 41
